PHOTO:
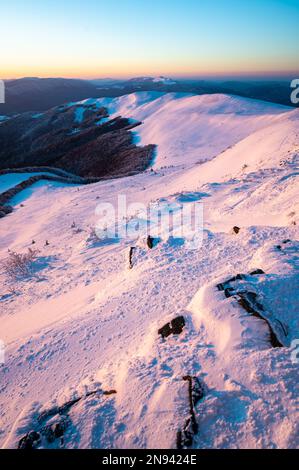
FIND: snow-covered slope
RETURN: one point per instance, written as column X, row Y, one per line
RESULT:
column 9, row 180
column 189, row 128
column 84, row 325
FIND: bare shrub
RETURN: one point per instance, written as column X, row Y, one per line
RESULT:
column 92, row 236
column 19, row 265
column 76, row 229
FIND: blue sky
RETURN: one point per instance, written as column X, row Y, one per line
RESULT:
column 96, row 38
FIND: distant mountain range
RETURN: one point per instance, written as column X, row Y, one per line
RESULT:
column 40, row 94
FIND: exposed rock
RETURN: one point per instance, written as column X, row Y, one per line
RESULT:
column 30, row 441
column 248, row 300
column 174, row 327
column 63, row 409
column 228, row 292
column 185, row 437
column 4, row 210
column 48, row 433
column 195, row 394
column 177, row 325
column 150, row 242
column 165, row 331
column 225, row 285
column 131, row 252
column 196, row 390
column 256, row 272
column 110, row 392
column 236, row 229
column 60, row 427
column 59, row 422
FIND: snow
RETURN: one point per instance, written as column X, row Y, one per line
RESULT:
column 79, row 114
column 85, row 322
column 188, row 128
column 37, row 115
column 9, row 180
column 22, row 196
column 102, row 121
column 164, row 80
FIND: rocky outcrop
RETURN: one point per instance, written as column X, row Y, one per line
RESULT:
column 250, row 302
column 53, row 423
column 196, row 392
column 175, row 327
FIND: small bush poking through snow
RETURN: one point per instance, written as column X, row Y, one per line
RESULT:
column 19, row 265
column 92, row 237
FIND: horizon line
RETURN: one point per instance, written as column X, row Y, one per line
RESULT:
column 198, row 76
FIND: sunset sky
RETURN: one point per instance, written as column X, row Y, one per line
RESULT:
column 95, row 38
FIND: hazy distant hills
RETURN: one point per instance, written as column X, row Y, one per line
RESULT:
column 40, row 94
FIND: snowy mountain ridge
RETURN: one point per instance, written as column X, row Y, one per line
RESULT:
column 186, row 125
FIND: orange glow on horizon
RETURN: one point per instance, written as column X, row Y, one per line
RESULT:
column 132, row 38
column 89, row 74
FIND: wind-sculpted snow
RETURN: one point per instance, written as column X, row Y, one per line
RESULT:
column 90, row 320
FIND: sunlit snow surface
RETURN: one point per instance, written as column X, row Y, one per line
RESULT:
column 84, row 321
